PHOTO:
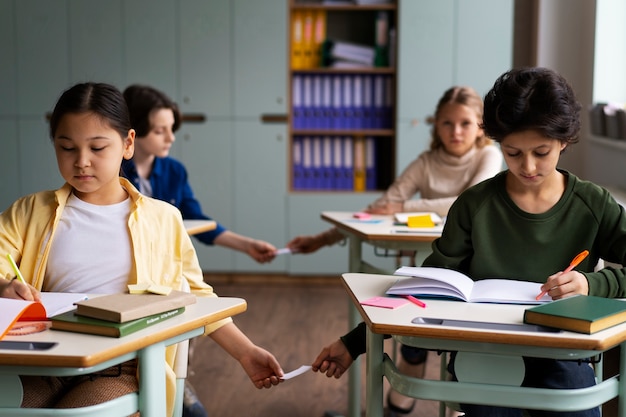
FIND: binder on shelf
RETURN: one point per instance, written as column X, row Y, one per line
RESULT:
column 319, row 36
column 337, row 163
column 347, row 167
column 384, row 166
column 308, row 41
column 370, row 163
column 307, row 102
column 327, row 102
column 297, row 102
column 357, row 102
column 368, row 102
column 388, row 104
column 317, row 103
column 298, row 175
column 359, row 164
column 381, row 58
column 337, row 103
column 379, row 102
column 346, row 103
column 297, row 40
column 307, row 163
column 327, row 164
column 317, row 163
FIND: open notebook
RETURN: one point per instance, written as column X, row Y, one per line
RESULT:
column 52, row 303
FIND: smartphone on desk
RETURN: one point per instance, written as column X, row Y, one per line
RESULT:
column 485, row 325
column 19, row 345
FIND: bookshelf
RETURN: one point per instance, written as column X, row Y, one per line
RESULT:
column 342, row 95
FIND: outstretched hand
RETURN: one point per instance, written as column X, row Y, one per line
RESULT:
column 262, row 368
column 306, row 244
column 261, row 251
column 333, row 360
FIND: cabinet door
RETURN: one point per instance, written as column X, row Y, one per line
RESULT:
column 37, row 162
column 484, row 42
column 10, row 184
column 150, row 44
column 260, row 188
column 425, row 56
column 8, row 52
column 260, row 57
column 205, row 57
column 206, row 149
column 97, row 33
column 42, row 55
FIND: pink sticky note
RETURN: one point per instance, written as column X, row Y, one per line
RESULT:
column 385, row 302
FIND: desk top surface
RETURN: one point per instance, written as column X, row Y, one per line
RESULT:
column 379, row 228
column 84, row 350
column 194, row 227
column 398, row 321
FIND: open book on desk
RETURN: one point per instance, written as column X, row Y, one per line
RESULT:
column 431, row 282
column 52, row 303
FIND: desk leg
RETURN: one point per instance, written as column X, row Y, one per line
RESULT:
column 151, row 380
column 354, row 372
column 621, row 402
column 374, row 379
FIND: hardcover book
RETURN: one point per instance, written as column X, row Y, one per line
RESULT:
column 71, row 322
column 582, row 314
column 125, row 307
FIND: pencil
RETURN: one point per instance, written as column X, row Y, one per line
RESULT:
column 15, row 268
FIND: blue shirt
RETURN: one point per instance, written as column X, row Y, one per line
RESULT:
column 169, row 182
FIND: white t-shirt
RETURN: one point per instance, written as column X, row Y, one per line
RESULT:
column 91, row 251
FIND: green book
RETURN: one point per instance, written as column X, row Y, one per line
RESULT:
column 582, row 314
column 72, row 322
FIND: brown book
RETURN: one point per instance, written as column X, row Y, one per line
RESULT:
column 121, row 308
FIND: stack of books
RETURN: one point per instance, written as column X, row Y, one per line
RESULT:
column 118, row 315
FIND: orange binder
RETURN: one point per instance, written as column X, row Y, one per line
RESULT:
column 319, row 36
column 297, row 40
column 359, row 163
column 307, row 41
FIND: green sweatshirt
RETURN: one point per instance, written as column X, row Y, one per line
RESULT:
column 487, row 236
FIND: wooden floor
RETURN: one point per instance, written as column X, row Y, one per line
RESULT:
column 293, row 317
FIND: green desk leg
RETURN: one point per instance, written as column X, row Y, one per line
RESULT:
column 152, row 371
column 374, row 384
column 354, row 373
column 621, row 404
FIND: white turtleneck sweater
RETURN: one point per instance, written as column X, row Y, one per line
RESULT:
column 439, row 178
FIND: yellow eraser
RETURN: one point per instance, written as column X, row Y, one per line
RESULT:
column 159, row 289
column 138, row 288
column 423, row 220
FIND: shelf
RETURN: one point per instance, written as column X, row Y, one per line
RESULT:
column 344, row 7
column 342, row 136
column 342, row 132
column 326, row 70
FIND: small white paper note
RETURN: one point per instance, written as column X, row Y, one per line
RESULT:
column 296, row 372
column 283, row 251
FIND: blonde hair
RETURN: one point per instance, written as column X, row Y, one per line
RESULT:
column 466, row 96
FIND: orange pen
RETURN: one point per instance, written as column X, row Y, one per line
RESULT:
column 578, row 259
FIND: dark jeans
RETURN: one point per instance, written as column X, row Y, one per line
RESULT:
column 540, row 373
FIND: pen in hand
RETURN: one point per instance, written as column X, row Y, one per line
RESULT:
column 578, row 259
column 16, row 269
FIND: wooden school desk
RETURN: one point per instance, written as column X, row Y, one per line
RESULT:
column 194, row 227
column 380, row 232
column 77, row 353
column 489, row 358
